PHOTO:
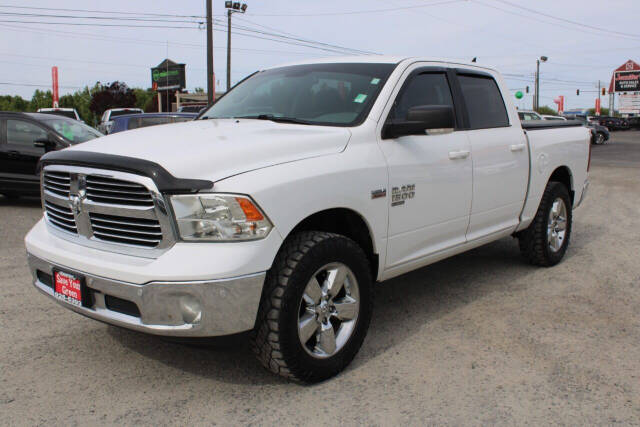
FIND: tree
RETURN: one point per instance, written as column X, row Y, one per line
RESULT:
column 147, row 100
column 13, row 103
column 41, row 99
column 603, row 111
column 115, row 95
column 547, row 111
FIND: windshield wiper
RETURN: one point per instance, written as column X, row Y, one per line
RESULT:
column 277, row 119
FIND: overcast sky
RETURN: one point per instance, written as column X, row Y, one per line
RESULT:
column 499, row 34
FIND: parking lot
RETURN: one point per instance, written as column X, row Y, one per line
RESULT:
column 481, row 338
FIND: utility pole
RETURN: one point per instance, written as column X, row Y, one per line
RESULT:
column 211, row 87
column 232, row 7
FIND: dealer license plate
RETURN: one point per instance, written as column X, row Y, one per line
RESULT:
column 68, row 288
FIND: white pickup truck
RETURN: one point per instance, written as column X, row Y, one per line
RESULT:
column 280, row 207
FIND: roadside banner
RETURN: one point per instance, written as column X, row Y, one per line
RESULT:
column 597, row 106
column 54, row 90
column 560, row 103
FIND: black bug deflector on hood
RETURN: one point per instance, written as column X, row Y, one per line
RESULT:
column 165, row 182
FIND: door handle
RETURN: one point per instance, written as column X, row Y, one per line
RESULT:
column 463, row 154
column 13, row 154
column 517, row 147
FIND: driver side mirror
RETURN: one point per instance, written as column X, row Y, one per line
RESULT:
column 421, row 120
column 45, row 143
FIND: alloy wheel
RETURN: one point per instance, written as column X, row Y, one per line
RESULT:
column 328, row 310
column 557, row 225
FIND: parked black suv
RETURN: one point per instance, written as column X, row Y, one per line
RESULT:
column 613, row 123
column 24, row 137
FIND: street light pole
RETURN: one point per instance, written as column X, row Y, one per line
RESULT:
column 232, row 7
column 211, row 88
column 537, row 86
column 536, row 98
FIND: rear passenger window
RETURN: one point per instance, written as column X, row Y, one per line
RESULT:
column 484, row 102
column 423, row 89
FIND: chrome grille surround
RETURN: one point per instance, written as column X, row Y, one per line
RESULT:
column 100, row 205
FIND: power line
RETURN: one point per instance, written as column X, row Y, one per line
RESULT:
column 568, row 20
column 37, row 85
column 357, row 12
column 74, row 34
column 109, row 18
column 555, row 24
column 102, row 11
column 87, row 24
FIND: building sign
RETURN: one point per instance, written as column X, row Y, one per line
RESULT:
column 629, row 104
column 627, row 81
column 626, row 78
column 168, row 75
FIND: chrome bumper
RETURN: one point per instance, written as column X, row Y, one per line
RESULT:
column 188, row 309
column 583, row 195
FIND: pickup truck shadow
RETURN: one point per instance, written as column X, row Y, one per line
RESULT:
column 403, row 306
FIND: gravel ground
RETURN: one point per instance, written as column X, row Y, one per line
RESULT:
column 481, row 338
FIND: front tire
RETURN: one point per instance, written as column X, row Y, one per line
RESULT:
column 315, row 308
column 599, row 138
column 545, row 241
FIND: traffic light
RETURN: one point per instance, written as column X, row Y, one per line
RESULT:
column 603, row 91
column 526, row 89
column 577, row 91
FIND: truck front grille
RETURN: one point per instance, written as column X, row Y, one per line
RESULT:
column 115, row 191
column 61, row 217
column 57, row 182
column 110, row 210
column 132, row 231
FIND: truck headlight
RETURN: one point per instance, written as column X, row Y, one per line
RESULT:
column 219, row 217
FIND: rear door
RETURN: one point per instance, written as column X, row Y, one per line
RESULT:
column 500, row 156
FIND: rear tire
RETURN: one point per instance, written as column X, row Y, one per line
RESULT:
column 315, row 309
column 545, row 241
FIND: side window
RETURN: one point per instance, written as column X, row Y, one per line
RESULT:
column 423, row 89
column 24, row 133
column 484, row 102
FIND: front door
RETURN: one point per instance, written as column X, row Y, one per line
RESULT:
column 429, row 176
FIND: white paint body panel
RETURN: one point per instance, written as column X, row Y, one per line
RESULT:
column 293, row 171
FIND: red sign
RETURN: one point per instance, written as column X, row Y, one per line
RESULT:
column 597, row 106
column 67, row 288
column 560, row 102
column 54, row 92
column 154, row 85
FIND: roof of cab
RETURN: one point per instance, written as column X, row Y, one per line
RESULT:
column 379, row 59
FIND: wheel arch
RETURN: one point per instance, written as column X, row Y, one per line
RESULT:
column 346, row 222
column 563, row 175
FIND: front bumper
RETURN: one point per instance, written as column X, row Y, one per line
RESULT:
column 202, row 308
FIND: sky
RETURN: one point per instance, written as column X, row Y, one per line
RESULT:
column 584, row 40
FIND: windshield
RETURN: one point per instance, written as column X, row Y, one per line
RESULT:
column 319, row 94
column 72, row 130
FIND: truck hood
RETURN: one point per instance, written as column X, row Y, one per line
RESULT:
column 219, row 148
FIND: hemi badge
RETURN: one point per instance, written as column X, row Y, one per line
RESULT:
column 376, row 194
